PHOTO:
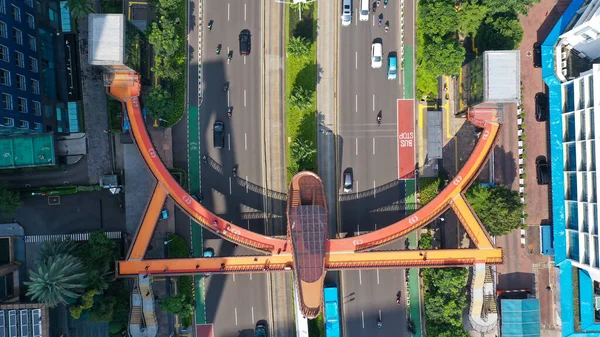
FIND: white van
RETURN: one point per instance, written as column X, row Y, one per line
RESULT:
column 347, row 12
column 364, row 10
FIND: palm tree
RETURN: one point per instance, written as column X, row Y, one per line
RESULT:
column 54, row 248
column 298, row 46
column 80, row 8
column 99, row 278
column 60, row 279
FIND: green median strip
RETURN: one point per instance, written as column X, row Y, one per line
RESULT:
column 409, row 73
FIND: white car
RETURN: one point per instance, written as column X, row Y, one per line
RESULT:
column 346, row 15
column 376, row 55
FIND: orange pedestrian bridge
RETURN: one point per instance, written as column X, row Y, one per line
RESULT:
column 306, row 224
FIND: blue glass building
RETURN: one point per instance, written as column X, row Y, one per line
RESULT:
column 34, row 68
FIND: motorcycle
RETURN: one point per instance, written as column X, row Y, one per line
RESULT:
column 378, row 120
column 229, row 111
column 204, row 159
column 385, row 3
column 374, row 7
column 226, row 87
column 380, row 21
column 235, row 171
column 210, row 24
column 229, row 56
column 219, row 50
column 387, row 27
column 379, row 324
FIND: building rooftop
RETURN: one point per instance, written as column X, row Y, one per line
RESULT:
column 27, row 151
column 106, row 39
column 24, row 320
column 502, row 76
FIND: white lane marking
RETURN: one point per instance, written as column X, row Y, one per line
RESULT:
column 246, row 141
column 244, row 59
column 251, row 280
column 248, row 228
column 228, row 103
column 356, row 59
column 362, row 314
column 379, row 314
column 229, row 141
column 252, row 312
column 245, row 20
column 356, row 103
column 357, row 146
column 374, row 190
column 233, row 277
column 357, row 229
column 357, row 188
column 246, row 184
column 359, row 277
column 373, row 102
column 373, row 145
column 235, row 312
column 377, row 276
column 228, row 7
column 244, row 97
column 356, row 17
column 375, row 226
column 229, row 185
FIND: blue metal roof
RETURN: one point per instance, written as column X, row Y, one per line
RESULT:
column 521, row 318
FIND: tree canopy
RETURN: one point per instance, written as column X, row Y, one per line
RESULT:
column 499, row 208
column 159, row 103
column 444, row 300
column 502, row 31
column 437, row 18
column 9, row 201
column 80, row 8
column 506, row 6
column 470, row 16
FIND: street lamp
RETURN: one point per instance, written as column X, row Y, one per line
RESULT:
column 166, row 242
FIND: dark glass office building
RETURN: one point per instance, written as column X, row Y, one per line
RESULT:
column 39, row 82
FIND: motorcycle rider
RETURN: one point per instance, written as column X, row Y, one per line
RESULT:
column 229, row 111
column 226, row 86
column 235, row 171
column 210, row 24
column 378, row 120
column 379, row 323
column 218, row 49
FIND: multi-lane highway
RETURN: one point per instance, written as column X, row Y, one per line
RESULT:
column 370, row 152
column 367, row 149
column 238, row 199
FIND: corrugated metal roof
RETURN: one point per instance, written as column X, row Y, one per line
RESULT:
column 502, row 76
column 521, row 318
column 106, row 36
column 434, row 135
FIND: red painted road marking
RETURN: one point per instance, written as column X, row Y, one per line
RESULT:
column 406, row 138
column 204, row 330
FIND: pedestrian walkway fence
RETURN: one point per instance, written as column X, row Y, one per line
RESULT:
column 71, row 237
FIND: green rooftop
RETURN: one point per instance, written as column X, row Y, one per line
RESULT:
column 27, row 151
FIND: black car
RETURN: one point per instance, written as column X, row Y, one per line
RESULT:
column 537, row 55
column 542, row 170
column 541, row 107
column 219, row 135
column 245, row 42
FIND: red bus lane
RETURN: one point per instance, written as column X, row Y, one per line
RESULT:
column 406, row 138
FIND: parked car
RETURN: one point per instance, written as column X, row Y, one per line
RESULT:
column 542, row 170
column 347, row 13
column 218, row 135
column 541, row 107
column 537, row 55
column 245, row 42
column 208, row 252
column 392, row 67
column 376, row 55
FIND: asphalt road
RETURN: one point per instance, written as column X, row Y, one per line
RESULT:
column 233, row 303
column 371, row 294
column 368, row 150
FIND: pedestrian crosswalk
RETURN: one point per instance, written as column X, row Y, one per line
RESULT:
column 72, row 237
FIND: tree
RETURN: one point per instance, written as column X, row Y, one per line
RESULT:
column 54, row 248
column 470, row 17
column 60, row 280
column 80, row 8
column 303, row 151
column 500, row 32
column 509, row 6
column 98, row 250
column 178, row 305
column 428, row 189
column 167, row 48
column 9, row 201
column 300, row 97
column 426, row 241
column 298, row 46
column 159, row 103
column 99, row 278
column 86, row 304
column 437, row 18
column 103, row 310
column 499, row 208
column 445, row 57
column 427, row 81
